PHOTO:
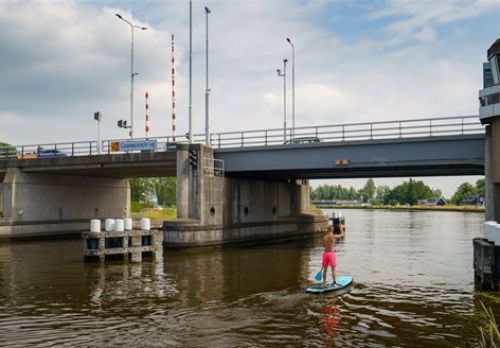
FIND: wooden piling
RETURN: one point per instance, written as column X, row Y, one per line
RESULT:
column 486, row 265
column 129, row 244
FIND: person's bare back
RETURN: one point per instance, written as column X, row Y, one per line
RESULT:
column 329, row 241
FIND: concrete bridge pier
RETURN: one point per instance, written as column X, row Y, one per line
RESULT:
column 215, row 209
column 492, row 171
column 487, row 251
column 37, row 204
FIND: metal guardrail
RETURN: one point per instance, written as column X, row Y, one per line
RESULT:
column 459, row 125
column 81, row 148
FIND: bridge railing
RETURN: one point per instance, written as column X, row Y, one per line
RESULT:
column 460, row 125
column 82, row 148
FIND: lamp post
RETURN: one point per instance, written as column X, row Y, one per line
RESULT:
column 284, row 95
column 293, row 86
column 207, row 90
column 190, row 107
column 132, row 73
column 98, row 118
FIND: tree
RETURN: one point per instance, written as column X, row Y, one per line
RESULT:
column 480, row 189
column 368, row 191
column 382, row 195
column 140, row 189
column 165, row 190
column 7, row 150
column 465, row 190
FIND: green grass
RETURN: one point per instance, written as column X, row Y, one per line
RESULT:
column 160, row 213
column 1, row 215
column 489, row 332
column 136, row 207
column 458, row 208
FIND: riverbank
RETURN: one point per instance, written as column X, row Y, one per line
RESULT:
column 457, row 208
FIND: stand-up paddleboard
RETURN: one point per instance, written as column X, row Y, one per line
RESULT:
column 340, row 283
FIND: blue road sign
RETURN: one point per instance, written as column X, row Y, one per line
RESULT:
column 138, row 145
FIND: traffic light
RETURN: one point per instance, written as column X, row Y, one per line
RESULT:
column 193, row 159
column 122, row 123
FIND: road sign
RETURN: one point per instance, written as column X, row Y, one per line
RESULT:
column 138, row 145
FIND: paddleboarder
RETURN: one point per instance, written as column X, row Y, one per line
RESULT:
column 329, row 258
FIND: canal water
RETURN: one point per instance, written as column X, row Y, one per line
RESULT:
column 413, row 288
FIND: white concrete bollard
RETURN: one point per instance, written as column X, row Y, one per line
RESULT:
column 492, row 232
column 109, row 224
column 145, row 224
column 128, row 224
column 95, row 225
column 119, row 225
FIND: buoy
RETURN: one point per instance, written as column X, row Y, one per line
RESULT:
column 128, row 224
column 119, row 225
column 109, row 224
column 145, row 224
column 95, row 225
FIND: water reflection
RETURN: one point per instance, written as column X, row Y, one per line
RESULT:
column 413, row 288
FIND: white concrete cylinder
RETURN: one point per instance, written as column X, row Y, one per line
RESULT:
column 119, row 225
column 145, row 224
column 492, row 232
column 109, row 224
column 95, row 225
column 128, row 224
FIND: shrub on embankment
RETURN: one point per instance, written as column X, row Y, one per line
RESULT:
column 489, row 331
column 136, row 207
column 458, row 208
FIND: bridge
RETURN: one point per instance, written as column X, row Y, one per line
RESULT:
column 248, row 185
column 418, row 147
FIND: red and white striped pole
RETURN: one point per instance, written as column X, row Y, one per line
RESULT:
column 147, row 115
column 173, row 89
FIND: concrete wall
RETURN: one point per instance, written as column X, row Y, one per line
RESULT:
column 218, row 210
column 47, row 199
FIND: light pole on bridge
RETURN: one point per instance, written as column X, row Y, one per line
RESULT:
column 293, row 86
column 132, row 73
column 284, row 95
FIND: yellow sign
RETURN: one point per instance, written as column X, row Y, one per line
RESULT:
column 115, row 146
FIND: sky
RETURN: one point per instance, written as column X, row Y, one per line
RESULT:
column 355, row 61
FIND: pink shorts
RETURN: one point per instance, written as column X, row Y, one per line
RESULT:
column 329, row 259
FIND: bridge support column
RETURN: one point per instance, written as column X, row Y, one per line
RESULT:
column 35, row 204
column 217, row 210
column 492, row 171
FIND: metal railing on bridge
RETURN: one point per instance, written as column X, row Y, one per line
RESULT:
column 460, row 125
column 443, row 126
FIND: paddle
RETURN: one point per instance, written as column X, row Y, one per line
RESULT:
column 319, row 275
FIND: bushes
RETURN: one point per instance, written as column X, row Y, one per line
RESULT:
column 136, row 207
column 490, row 333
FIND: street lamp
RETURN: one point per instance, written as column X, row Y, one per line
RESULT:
column 132, row 73
column 190, row 106
column 293, row 86
column 207, row 90
column 98, row 118
column 284, row 95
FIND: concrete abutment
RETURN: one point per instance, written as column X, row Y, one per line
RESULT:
column 36, row 204
column 217, row 210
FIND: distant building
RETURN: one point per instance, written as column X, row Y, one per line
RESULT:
column 432, row 202
column 437, row 201
column 472, row 200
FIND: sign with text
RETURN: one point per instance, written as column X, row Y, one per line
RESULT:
column 138, row 145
